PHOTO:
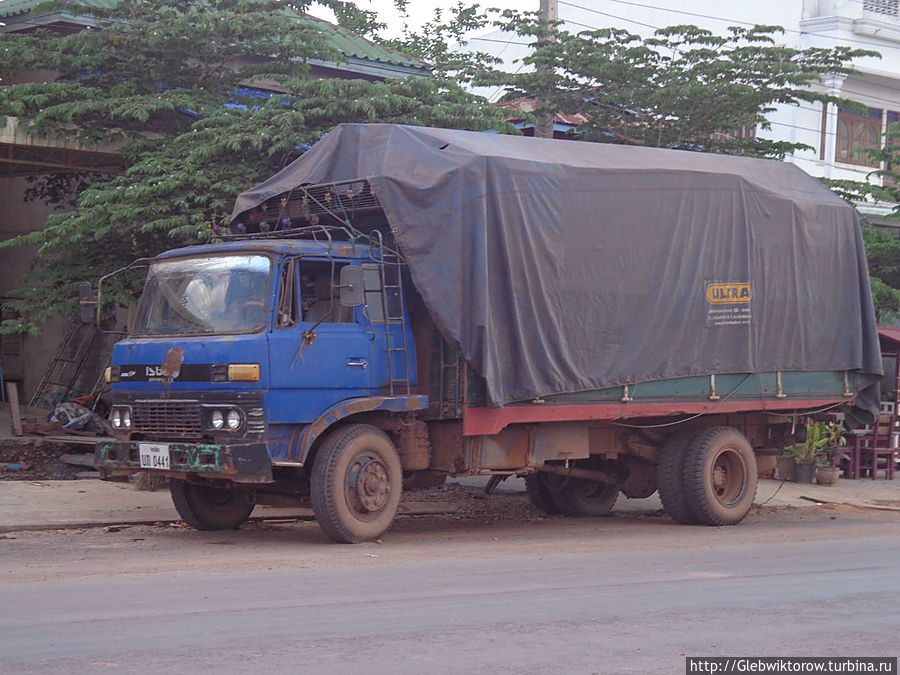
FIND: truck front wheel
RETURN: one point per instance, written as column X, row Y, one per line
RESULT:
column 209, row 508
column 356, row 484
column 719, row 476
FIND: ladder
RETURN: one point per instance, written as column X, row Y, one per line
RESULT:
column 390, row 265
column 65, row 367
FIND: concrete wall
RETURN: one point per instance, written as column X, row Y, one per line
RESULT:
column 23, row 358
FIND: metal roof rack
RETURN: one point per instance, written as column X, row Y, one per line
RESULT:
column 309, row 204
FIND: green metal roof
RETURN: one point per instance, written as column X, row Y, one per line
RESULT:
column 350, row 45
column 353, row 45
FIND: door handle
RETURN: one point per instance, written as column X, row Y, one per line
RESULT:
column 359, row 364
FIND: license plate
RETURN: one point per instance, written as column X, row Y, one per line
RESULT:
column 154, row 455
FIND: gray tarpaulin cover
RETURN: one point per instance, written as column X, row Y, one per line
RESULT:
column 561, row 266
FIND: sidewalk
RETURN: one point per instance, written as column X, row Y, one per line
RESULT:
column 51, row 505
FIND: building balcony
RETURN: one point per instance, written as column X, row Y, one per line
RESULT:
column 878, row 19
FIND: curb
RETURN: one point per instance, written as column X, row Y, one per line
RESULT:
column 425, row 509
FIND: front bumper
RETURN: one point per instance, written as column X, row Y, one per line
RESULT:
column 237, row 462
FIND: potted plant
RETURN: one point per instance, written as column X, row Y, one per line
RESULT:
column 806, row 454
column 827, row 472
column 784, row 465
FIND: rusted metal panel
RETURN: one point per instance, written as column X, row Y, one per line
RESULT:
column 560, row 440
column 604, row 441
column 413, row 445
column 447, row 451
column 507, row 450
column 344, row 409
column 240, row 462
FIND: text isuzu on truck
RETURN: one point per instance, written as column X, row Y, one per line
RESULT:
column 409, row 303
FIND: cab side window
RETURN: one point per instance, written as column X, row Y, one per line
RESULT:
column 288, row 314
column 320, row 294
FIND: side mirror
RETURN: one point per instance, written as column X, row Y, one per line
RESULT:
column 352, row 289
column 87, row 302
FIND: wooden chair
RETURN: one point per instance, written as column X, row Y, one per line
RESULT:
column 875, row 450
column 848, row 456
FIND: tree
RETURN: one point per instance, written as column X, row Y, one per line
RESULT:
column 682, row 88
column 882, row 246
column 166, row 81
column 883, row 252
column 442, row 43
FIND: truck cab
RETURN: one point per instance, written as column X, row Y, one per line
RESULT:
column 242, row 353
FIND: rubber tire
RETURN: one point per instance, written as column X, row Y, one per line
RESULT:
column 208, row 508
column 539, row 494
column 670, row 477
column 338, row 518
column 579, row 498
column 720, row 446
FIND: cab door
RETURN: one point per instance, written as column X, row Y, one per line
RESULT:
column 319, row 352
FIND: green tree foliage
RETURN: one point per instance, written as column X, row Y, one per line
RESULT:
column 883, row 251
column 164, row 81
column 882, row 246
column 683, row 88
column 442, row 40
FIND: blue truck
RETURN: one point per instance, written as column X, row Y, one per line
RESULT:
column 402, row 305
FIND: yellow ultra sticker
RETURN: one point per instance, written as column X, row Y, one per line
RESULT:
column 728, row 293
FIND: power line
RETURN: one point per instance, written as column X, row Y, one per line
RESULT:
column 708, row 16
column 612, row 16
column 505, row 42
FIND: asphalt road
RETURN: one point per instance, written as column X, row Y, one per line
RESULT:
column 615, row 595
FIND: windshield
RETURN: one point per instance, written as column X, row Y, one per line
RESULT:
column 198, row 296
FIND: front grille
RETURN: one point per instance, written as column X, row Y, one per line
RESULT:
column 167, row 417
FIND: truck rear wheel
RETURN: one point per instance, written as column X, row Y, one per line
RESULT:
column 356, row 484
column 720, row 476
column 209, row 508
column 580, row 498
column 670, row 477
column 539, row 493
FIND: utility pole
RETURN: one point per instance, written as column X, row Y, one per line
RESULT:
column 549, row 10
column 544, row 110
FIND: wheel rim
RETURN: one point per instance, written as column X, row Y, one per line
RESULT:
column 729, row 476
column 367, row 485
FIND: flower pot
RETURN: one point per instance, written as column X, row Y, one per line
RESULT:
column 784, row 468
column 805, row 472
column 827, row 475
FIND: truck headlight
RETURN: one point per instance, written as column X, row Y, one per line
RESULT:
column 120, row 417
column 233, row 419
column 217, row 419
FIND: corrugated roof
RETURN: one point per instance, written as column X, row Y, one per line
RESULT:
column 892, row 334
column 352, row 46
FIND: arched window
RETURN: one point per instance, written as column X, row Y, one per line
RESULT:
column 855, row 134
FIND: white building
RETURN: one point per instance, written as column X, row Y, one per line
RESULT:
column 836, row 136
